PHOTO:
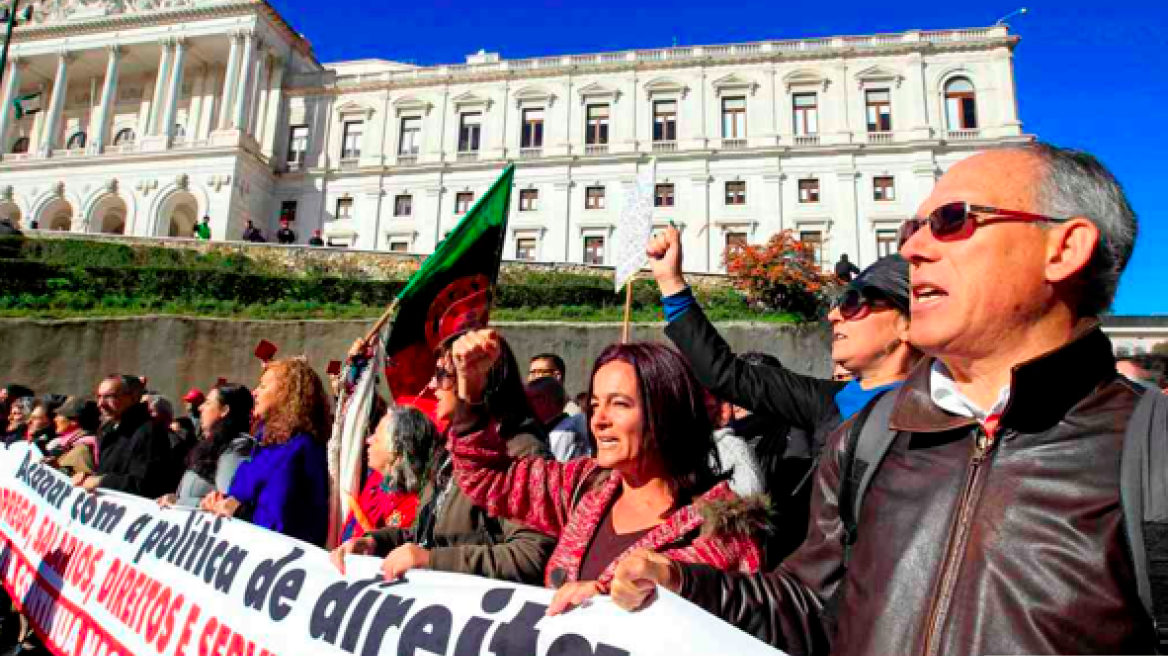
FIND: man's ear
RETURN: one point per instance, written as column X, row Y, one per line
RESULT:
column 1069, row 248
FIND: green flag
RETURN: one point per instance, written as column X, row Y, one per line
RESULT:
column 452, row 291
column 27, row 104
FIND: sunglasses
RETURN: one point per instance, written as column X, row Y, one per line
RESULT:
column 853, row 305
column 957, row 220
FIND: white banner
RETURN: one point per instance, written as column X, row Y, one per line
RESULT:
column 112, row 575
column 635, row 227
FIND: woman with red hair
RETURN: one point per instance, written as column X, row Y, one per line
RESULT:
column 654, row 484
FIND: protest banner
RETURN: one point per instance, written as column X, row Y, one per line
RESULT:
column 109, row 574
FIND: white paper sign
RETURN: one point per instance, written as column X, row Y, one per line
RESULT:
column 635, row 227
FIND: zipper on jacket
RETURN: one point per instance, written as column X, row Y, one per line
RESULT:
column 956, row 545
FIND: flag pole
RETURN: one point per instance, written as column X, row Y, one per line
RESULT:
column 385, row 317
column 628, row 310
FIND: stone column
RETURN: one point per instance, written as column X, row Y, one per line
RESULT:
column 275, row 97
column 242, row 93
column 6, row 109
column 259, row 93
column 156, row 103
column 230, row 81
column 702, row 223
column 57, row 106
column 847, row 212
column 108, row 96
column 174, row 90
column 773, row 182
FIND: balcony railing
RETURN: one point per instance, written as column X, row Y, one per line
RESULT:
column 596, row 149
column 530, row 153
column 807, row 140
column 964, row 135
column 349, row 163
column 683, row 53
column 407, row 159
column 879, row 137
column 665, row 146
column 468, row 156
column 733, row 144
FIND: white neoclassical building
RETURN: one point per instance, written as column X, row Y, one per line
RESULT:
column 157, row 112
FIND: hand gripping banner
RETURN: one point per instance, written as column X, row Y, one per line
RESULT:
column 113, row 575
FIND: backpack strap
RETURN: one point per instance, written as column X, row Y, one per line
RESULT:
column 1144, row 499
column 868, row 440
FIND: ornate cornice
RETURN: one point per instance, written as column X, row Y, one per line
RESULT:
column 498, row 74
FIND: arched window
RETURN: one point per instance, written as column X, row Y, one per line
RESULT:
column 124, row 136
column 20, row 145
column 77, row 140
column 960, row 104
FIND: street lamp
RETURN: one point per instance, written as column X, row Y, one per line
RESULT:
column 1004, row 20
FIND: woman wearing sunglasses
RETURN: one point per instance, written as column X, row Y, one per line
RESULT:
column 869, row 330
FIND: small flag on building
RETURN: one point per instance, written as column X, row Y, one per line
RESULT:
column 27, row 104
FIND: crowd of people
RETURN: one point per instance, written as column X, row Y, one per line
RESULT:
column 993, row 524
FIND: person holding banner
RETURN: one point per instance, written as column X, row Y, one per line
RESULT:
column 285, row 486
column 224, row 421
column 452, row 533
column 654, row 483
column 398, row 453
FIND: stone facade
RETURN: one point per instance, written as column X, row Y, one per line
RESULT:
column 188, row 108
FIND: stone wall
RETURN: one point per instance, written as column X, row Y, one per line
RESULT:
column 176, row 353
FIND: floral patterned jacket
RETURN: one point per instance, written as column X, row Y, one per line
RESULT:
column 569, row 500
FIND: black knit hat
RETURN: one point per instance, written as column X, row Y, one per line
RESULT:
column 889, row 277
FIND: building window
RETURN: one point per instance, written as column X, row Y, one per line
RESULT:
column 532, row 136
column 124, row 136
column 351, row 139
column 734, row 118
column 594, row 198
column 411, row 136
column 297, row 145
column 525, row 248
column 879, row 110
column 528, row 200
column 470, row 129
column 344, row 209
column 594, row 250
column 814, row 239
column 806, row 114
column 885, row 242
column 960, row 104
column 809, row 191
column 77, row 140
column 734, row 240
column 883, row 188
column 665, row 120
column 403, row 205
column 20, row 146
column 398, row 246
column 663, row 195
column 596, row 130
column 288, row 211
column 463, row 201
column 736, row 193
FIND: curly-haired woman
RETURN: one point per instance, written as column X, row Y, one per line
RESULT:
column 285, row 486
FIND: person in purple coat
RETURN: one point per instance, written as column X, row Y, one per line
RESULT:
column 285, row 486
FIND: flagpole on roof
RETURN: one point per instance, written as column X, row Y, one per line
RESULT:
column 10, row 23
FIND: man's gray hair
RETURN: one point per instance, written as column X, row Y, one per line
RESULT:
column 25, row 403
column 1077, row 184
column 160, row 404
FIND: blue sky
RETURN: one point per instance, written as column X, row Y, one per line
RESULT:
column 1092, row 75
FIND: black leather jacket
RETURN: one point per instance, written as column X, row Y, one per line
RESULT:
column 1015, row 549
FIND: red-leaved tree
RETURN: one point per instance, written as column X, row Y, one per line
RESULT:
column 781, row 275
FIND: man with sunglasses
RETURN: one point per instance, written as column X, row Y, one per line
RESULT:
column 869, row 326
column 994, row 522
